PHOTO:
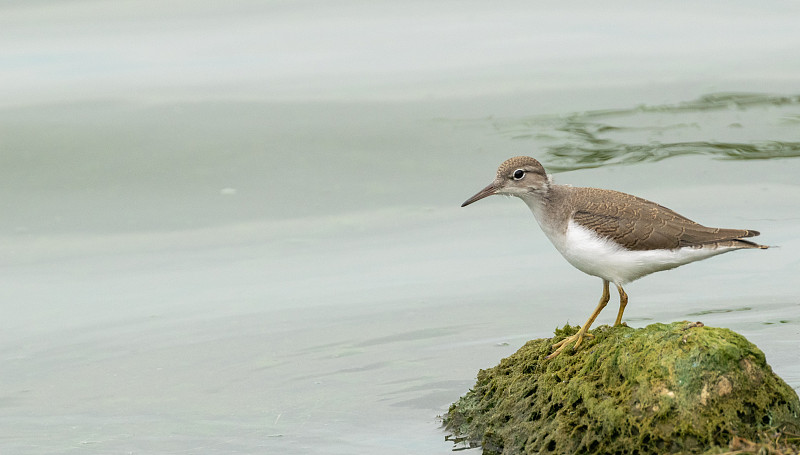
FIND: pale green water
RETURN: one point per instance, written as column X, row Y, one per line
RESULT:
column 269, row 256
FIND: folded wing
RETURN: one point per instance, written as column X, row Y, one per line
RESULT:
column 639, row 224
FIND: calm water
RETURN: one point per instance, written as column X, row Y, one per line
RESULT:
column 236, row 229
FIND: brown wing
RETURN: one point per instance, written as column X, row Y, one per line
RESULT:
column 639, row 224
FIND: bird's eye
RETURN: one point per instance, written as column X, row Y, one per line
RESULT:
column 518, row 174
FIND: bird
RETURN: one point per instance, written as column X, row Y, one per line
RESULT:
column 612, row 235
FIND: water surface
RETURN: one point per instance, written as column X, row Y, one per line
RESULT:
column 215, row 239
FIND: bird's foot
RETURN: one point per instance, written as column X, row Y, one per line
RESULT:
column 577, row 338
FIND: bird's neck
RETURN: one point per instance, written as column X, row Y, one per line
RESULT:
column 538, row 201
column 538, row 194
column 547, row 207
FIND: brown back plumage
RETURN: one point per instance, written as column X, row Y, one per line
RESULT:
column 639, row 224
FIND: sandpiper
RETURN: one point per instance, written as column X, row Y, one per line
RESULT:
column 608, row 234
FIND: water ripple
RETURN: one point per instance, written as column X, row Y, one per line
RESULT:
column 739, row 126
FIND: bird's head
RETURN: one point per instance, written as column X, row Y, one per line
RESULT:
column 521, row 176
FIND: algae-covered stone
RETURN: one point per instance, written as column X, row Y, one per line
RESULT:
column 666, row 388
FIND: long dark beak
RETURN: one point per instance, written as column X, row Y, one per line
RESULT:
column 488, row 191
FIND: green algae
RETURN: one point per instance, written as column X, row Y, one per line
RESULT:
column 665, row 388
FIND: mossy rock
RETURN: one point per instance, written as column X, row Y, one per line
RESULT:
column 665, row 388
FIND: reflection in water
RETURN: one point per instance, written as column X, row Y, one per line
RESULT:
column 586, row 157
column 651, row 133
column 721, row 310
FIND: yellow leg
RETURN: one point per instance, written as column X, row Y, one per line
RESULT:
column 623, row 301
column 583, row 332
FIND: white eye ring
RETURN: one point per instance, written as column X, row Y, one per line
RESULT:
column 519, row 174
